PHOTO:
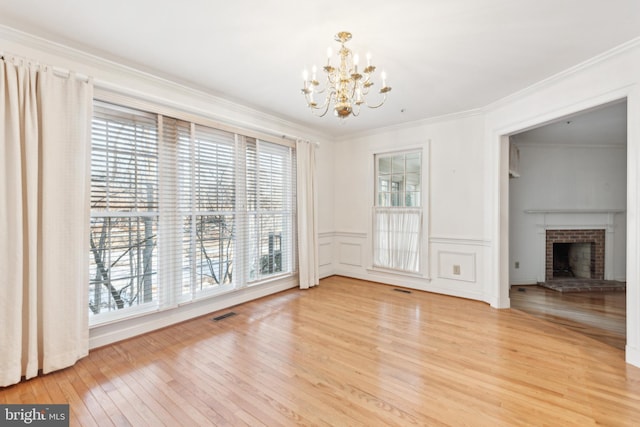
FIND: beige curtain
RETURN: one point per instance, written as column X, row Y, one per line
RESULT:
column 397, row 238
column 44, row 218
column 307, row 213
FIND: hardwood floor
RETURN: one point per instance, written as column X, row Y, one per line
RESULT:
column 598, row 315
column 349, row 353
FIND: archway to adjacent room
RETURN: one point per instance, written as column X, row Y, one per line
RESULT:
column 566, row 229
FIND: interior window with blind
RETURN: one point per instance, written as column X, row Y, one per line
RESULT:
column 397, row 214
column 182, row 211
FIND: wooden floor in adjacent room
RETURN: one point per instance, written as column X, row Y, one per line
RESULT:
column 598, row 315
column 349, row 353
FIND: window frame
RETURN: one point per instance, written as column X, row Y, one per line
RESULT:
column 128, row 125
column 404, row 174
column 424, row 150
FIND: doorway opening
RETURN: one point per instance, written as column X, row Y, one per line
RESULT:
column 567, row 218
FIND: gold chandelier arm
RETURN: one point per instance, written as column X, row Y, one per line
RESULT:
column 324, row 107
column 384, row 98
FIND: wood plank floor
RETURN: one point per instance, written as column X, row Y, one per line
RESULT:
column 349, row 353
column 598, row 315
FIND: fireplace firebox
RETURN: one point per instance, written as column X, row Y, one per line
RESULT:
column 575, row 253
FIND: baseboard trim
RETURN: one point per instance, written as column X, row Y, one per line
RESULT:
column 632, row 355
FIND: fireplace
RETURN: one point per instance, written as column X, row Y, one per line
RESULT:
column 574, row 253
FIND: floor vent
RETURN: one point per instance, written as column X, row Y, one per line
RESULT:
column 223, row 316
column 404, row 291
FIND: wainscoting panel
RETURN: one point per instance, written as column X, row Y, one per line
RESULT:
column 325, row 254
column 350, row 254
column 457, row 265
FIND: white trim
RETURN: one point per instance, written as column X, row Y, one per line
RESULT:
column 414, row 124
column 350, row 234
column 569, row 72
column 447, row 240
column 605, row 98
column 326, row 234
column 632, row 355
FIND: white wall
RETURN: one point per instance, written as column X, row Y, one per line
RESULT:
column 586, row 180
column 454, row 204
column 326, row 206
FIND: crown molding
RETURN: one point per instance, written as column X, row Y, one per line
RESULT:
column 413, row 124
column 291, row 129
column 549, row 81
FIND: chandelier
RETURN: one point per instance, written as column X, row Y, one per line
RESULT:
column 345, row 87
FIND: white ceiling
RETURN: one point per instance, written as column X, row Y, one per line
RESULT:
column 441, row 56
column 605, row 125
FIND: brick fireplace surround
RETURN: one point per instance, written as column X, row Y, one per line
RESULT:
column 595, row 237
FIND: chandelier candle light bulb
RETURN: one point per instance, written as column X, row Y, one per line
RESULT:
column 345, row 88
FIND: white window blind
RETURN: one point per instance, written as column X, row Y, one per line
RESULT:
column 208, row 213
column 270, row 213
column 182, row 211
column 124, row 209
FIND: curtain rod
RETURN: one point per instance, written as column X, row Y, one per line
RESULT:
column 58, row 71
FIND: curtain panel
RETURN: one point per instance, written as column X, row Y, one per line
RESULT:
column 307, row 213
column 397, row 238
column 44, row 218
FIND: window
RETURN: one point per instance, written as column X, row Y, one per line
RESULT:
column 269, row 208
column 398, row 180
column 182, row 211
column 397, row 212
column 206, row 194
column 124, row 209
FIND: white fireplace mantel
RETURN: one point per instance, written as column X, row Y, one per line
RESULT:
column 576, row 219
